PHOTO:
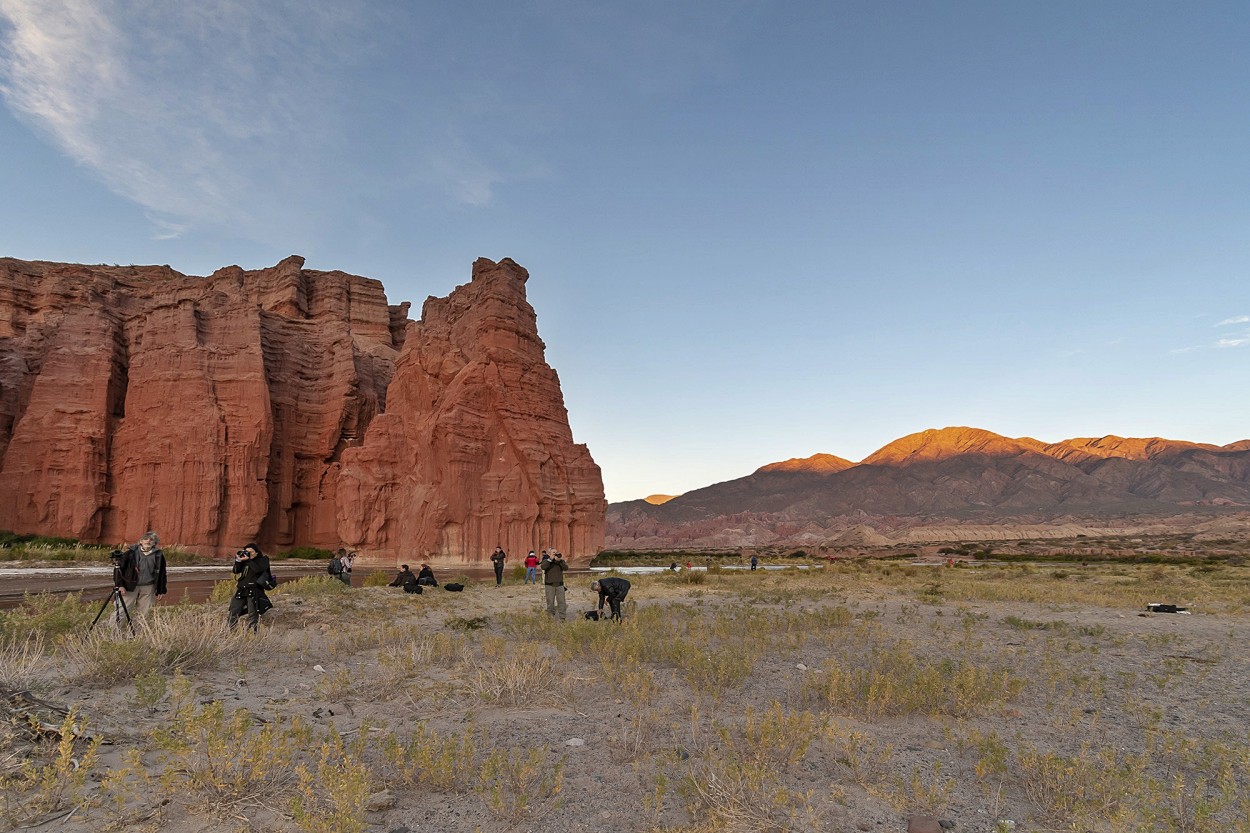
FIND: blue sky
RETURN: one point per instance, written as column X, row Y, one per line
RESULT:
column 755, row 230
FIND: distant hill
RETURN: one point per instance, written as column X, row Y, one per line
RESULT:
column 949, row 483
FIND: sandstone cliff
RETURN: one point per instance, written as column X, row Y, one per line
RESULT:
column 220, row 410
column 475, row 450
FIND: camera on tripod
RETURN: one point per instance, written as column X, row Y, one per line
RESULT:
column 115, row 558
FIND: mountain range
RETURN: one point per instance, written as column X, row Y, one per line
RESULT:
column 957, row 483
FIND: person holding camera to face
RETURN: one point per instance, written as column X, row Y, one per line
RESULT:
column 255, row 577
column 140, row 569
column 553, row 585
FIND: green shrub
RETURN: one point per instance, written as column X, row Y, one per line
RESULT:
column 307, row 554
column 47, row 615
column 377, row 578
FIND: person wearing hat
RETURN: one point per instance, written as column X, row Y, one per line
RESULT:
column 613, row 590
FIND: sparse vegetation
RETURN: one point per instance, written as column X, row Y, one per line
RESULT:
column 785, row 700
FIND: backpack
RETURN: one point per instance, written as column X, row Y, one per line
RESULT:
column 454, row 587
column 270, row 581
column 413, row 587
column 334, row 567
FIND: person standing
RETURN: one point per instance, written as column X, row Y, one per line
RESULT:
column 346, row 575
column 613, row 590
column 497, row 558
column 553, row 583
column 252, row 568
column 142, row 572
column 531, row 568
column 755, row 561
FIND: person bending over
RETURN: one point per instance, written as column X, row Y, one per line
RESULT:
column 252, row 568
column 613, row 590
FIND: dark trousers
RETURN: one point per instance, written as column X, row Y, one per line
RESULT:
column 615, row 604
column 241, row 604
column 498, row 573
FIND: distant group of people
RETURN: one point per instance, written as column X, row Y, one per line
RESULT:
column 141, row 570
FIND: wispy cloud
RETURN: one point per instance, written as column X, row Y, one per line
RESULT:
column 1235, row 341
column 191, row 110
column 1237, row 319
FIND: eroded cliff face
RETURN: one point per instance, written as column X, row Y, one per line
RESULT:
column 475, row 449
column 225, row 409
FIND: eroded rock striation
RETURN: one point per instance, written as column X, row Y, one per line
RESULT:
column 244, row 406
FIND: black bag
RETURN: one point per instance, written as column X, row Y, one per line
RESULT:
column 413, row 587
column 453, row 587
column 335, row 567
column 592, row 615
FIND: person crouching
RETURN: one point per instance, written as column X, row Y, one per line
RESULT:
column 612, row 590
column 252, row 568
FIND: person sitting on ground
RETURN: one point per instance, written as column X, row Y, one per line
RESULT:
column 426, row 577
column 405, row 577
column 613, row 590
column 252, row 568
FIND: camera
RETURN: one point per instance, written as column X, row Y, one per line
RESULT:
column 116, row 557
column 242, row 555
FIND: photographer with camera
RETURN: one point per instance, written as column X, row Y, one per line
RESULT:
column 255, row 577
column 553, row 585
column 140, row 569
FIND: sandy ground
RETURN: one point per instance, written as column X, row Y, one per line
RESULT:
column 1093, row 680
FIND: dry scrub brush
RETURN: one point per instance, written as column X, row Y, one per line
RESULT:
column 176, row 638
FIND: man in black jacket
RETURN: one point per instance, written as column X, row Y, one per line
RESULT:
column 252, row 568
column 613, row 590
column 405, row 577
column 141, row 571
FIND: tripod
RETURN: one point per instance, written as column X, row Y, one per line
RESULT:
column 119, row 602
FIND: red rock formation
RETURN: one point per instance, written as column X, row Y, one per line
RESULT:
column 216, row 410
column 475, row 448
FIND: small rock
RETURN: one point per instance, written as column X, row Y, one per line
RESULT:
column 575, row 742
column 947, row 824
column 801, row 667
column 863, row 825
column 923, row 824
column 380, row 801
column 319, row 668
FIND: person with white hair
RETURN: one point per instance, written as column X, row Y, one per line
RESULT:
column 612, row 590
column 141, row 571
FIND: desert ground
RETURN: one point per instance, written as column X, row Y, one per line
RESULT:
column 864, row 695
